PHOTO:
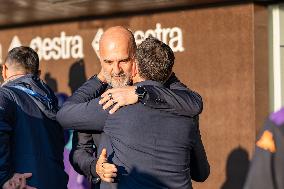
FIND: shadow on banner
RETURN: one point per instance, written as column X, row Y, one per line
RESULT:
column 236, row 170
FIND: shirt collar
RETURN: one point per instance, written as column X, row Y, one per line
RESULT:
column 12, row 78
column 148, row 82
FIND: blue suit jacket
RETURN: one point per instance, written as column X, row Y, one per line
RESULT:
column 150, row 147
column 31, row 139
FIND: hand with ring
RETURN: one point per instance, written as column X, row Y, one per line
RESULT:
column 118, row 97
column 106, row 171
column 111, row 99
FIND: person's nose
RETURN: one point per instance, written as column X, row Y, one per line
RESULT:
column 116, row 68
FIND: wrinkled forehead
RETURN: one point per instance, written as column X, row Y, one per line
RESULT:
column 115, row 48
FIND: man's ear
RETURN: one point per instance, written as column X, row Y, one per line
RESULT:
column 134, row 69
column 4, row 72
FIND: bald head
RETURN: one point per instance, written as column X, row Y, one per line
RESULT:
column 117, row 54
column 117, row 37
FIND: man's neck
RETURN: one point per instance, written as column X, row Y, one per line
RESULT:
column 138, row 79
column 13, row 77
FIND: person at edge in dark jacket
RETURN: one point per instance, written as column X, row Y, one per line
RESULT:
column 31, row 150
column 267, row 166
column 83, row 107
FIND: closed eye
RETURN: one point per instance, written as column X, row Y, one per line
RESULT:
column 108, row 61
column 125, row 60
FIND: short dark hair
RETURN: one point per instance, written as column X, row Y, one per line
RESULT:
column 155, row 60
column 24, row 57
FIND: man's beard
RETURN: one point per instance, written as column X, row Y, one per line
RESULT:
column 119, row 80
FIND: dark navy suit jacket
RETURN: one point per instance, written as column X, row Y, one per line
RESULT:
column 150, row 147
column 83, row 112
column 31, row 139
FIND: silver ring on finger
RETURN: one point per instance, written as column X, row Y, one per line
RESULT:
column 110, row 96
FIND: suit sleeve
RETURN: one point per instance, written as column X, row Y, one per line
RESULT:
column 82, row 109
column 83, row 154
column 6, row 168
column 199, row 165
column 175, row 98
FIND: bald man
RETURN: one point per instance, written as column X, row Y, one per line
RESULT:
column 82, row 110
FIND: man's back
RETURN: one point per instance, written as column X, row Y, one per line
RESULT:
column 150, row 147
column 37, row 140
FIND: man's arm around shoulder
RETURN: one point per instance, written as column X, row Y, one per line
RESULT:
column 82, row 109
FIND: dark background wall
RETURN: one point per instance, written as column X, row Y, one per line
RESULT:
column 221, row 52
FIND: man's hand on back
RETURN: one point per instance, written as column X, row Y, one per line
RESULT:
column 18, row 181
column 106, row 171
